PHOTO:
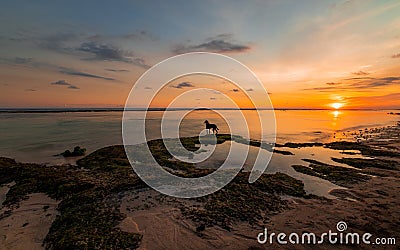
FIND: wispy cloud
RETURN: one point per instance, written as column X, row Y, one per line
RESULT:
column 360, row 73
column 64, row 70
column 118, row 70
column 17, row 60
column 141, row 35
column 107, row 52
column 22, row 60
column 73, row 72
column 61, row 82
column 396, row 55
column 358, row 78
column 360, row 83
column 64, row 83
column 221, row 44
column 322, row 88
column 137, row 35
column 332, row 83
column 378, row 82
column 183, row 85
column 97, row 47
column 57, row 42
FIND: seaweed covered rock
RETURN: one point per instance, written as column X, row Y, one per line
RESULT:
column 341, row 176
column 244, row 201
column 89, row 207
column 78, row 151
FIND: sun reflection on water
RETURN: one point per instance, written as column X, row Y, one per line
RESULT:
column 336, row 114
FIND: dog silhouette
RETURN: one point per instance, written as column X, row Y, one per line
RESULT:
column 211, row 127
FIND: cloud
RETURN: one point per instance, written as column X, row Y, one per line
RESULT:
column 378, row 82
column 360, row 73
column 360, row 83
column 73, row 72
column 396, row 55
column 219, row 44
column 249, row 90
column 332, row 83
column 213, row 98
column 235, row 90
column 61, row 82
column 30, row 90
column 56, row 42
column 322, row 88
column 75, row 44
column 147, row 87
column 183, row 85
column 18, row 60
column 67, row 71
column 107, row 52
column 141, row 63
column 390, row 79
column 141, row 35
column 118, row 70
column 64, row 83
column 22, row 60
column 223, row 36
column 137, row 35
column 359, row 78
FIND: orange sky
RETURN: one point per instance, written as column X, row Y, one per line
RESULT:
column 307, row 55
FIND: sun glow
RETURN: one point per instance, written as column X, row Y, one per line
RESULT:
column 336, row 105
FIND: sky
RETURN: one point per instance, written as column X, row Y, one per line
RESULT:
column 307, row 54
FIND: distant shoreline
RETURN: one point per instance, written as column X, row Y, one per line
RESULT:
column 74, row 110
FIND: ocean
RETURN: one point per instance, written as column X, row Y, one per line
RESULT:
column 38, row 137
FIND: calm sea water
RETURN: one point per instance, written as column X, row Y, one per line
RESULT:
column 37, row 137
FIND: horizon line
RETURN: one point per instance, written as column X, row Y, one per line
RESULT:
column 104, row 109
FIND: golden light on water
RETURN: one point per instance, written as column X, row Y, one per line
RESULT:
column 336, row 105
column 336, row 114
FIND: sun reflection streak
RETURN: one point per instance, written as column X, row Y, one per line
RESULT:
column 336, row 114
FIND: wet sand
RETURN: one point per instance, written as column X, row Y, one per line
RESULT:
column 369, row 207
column 25, row 226
column 164, row 227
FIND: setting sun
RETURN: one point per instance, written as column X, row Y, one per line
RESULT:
column 337, row 105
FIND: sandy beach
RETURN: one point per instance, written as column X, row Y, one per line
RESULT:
column 368, row 202
column 164, row 227
column 26, row 225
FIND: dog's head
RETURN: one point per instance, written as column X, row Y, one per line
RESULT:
column 206, row 121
